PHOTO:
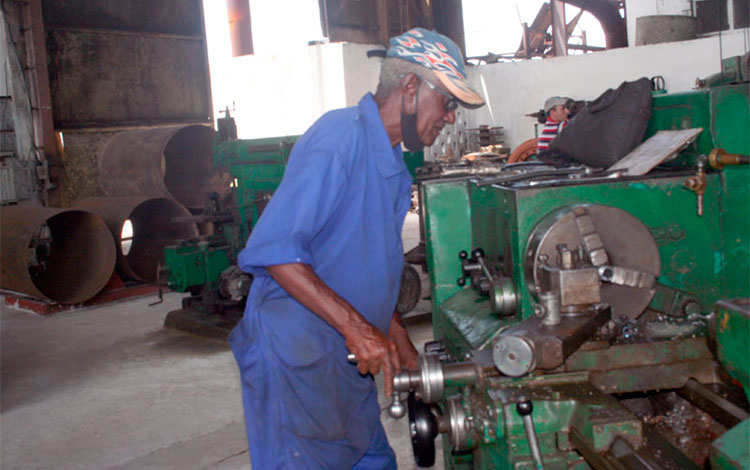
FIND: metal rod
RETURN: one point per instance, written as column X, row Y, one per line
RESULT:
column 724, row 411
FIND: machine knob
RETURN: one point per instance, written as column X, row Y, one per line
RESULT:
column 463, row 254
column 477, row 253
column 397, row 408
column 524, row 408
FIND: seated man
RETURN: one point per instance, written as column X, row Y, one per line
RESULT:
column 557, row 112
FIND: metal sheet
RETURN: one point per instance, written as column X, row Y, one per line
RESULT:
column 152, row 230
column 80, row 259
column 164, row 16
column 103, row 79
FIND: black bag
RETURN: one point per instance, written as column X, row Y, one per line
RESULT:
column 609, row 127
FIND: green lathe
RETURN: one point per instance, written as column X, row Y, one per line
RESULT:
column 588, row 319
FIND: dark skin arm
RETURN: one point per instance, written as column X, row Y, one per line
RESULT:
column 374, row 350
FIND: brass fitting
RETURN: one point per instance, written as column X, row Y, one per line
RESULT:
column 697, row 183
column 718, row 158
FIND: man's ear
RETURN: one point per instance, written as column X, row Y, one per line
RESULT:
column 409, row 84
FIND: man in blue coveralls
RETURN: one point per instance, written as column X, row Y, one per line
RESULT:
column 327, row 259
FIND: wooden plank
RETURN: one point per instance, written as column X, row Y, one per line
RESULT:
column 660, row 147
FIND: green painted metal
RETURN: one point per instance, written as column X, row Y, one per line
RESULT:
column 704, row 258
column 413, row 160
column 721, row 111
column 733, row 338
column 195, row 265
column 561, row 404
column 256, row 168
column 731, row 451
column 694, row 257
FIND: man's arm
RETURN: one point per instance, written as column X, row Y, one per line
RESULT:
column 373, row 349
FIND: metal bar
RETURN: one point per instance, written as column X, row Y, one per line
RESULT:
column 240, row 27
column 723, row 410
column 624, row 452
column 529, row 175
column 559, row 31
column 124, row 32
column 597, row 461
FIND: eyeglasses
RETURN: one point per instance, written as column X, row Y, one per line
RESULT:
column 452, row 102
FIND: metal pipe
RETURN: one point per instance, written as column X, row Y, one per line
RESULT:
column 173, row 162
column 240, row 27
column 63, row 255
column 152, row 229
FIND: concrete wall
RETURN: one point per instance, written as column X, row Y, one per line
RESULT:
column 638, row 8
column 518, row 88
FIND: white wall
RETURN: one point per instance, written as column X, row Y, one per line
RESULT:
column 284, row 94
column 515, row 89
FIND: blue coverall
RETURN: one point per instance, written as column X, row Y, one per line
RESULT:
column 340, row 208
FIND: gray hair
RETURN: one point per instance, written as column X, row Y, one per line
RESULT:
column 393, row 70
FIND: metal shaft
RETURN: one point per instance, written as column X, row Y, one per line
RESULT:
column 536, row 454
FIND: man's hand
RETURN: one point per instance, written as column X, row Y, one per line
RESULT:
column 406, row 350
column 374, row 352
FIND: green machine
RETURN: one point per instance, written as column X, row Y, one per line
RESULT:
column 206, row 267
column 586, row 319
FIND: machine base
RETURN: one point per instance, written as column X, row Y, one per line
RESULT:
column 217, row 326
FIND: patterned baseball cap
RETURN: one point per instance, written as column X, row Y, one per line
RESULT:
column 438, row 53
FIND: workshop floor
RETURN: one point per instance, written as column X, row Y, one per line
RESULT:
column 110, row 388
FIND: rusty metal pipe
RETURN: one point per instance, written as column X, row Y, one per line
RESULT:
column 64, row 255
column 240, row 27
column 171, row 162
column 152, row 230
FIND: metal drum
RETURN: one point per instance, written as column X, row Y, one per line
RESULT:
column 64, row 255
column 174, row 162
column 140, row 244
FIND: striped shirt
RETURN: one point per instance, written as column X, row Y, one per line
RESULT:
column 549, row 132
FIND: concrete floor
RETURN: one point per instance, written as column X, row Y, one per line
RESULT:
column 110, row 388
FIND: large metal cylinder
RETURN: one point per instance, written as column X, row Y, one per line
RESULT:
column 64, row 255
column 140, row 244
column 172, row 162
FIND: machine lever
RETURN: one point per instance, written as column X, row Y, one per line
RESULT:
column 626, row 277
column 524, row 409
column 397, row 409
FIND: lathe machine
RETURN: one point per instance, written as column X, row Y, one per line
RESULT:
column 587, row 319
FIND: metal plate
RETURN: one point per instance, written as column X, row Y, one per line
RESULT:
column 627, row 241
